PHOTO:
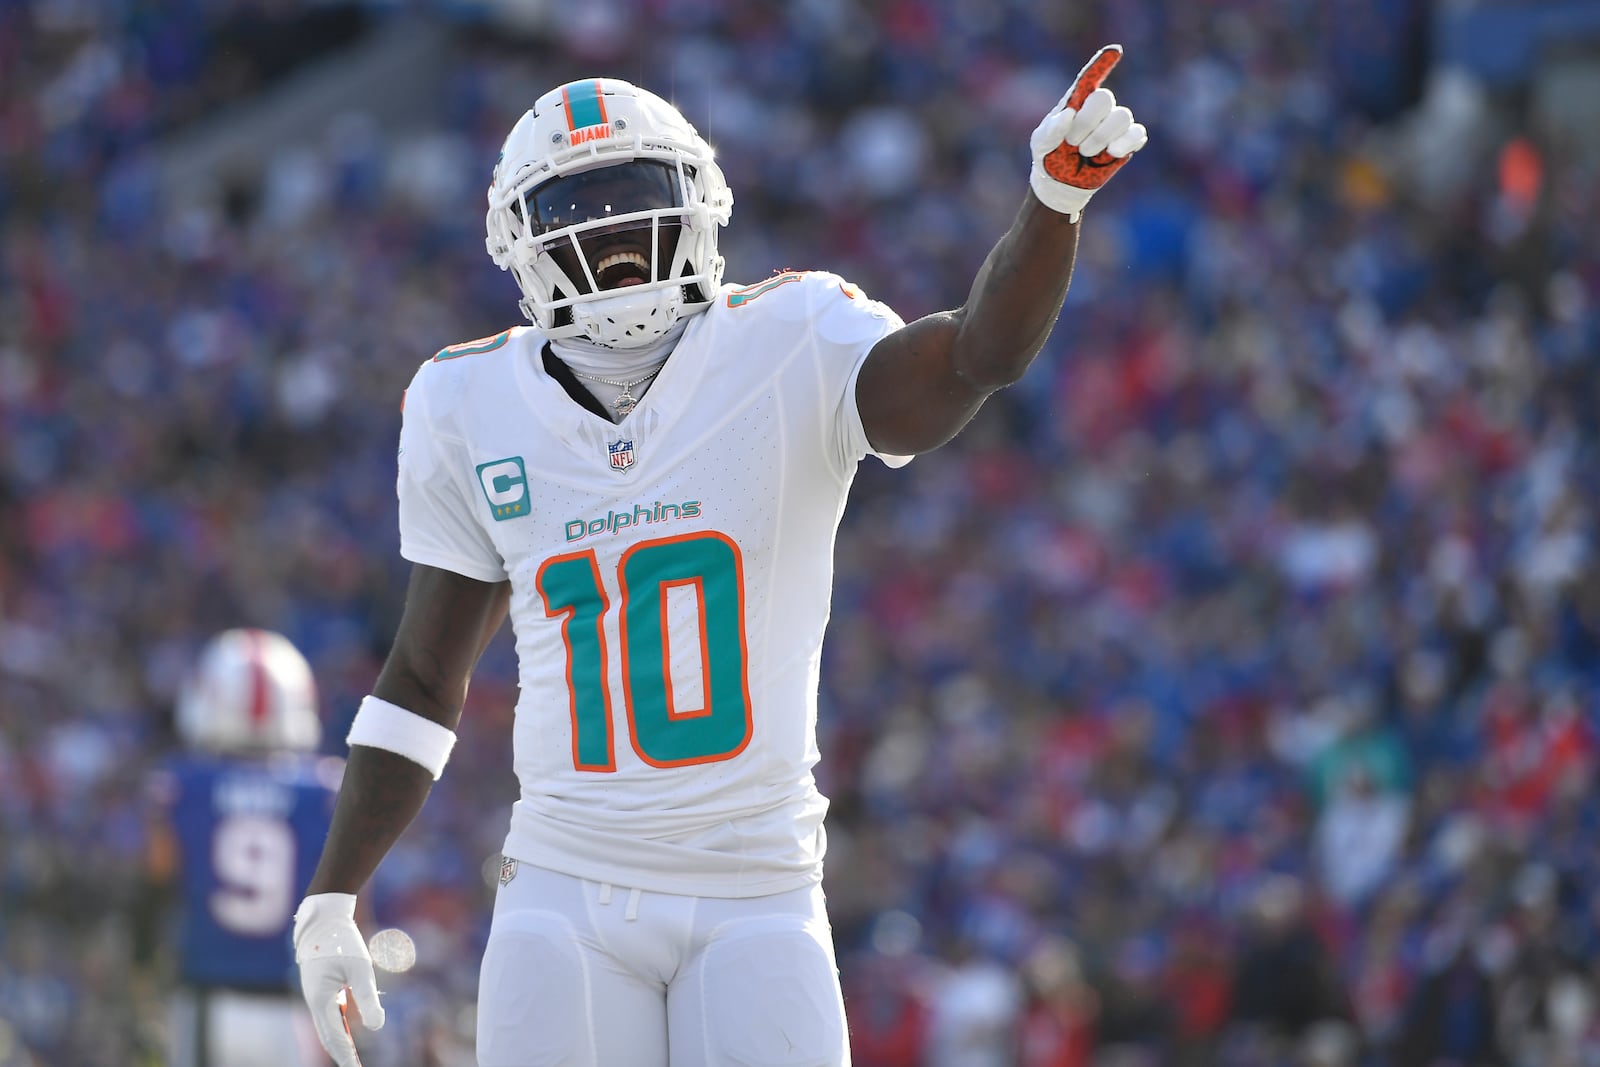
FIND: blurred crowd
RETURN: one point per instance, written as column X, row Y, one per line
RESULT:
column 1226, row 694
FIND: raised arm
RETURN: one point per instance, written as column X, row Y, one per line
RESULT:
column 447, row 622
column 921, row 384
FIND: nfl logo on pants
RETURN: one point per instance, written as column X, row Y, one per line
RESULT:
column 621, row 455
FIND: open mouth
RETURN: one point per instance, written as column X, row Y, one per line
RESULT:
column 621, row 269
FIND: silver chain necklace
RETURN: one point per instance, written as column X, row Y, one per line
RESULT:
column 626, row 402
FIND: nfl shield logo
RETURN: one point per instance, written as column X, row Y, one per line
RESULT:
column 508, row 869
column 621, row 455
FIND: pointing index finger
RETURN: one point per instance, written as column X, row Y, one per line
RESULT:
column 1093, row 73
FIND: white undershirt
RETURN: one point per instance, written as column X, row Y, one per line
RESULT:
column 618, row 364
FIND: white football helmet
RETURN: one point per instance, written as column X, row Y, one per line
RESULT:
column 604, row 206
column 250, row 691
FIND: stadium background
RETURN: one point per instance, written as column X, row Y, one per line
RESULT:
column 1226, row 694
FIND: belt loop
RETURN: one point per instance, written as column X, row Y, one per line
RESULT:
column 605, row 892
column 633, row 905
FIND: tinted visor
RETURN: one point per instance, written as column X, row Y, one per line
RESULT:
column 596, row 195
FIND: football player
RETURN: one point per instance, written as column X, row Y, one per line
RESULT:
column 650, row 477
column 244, row 814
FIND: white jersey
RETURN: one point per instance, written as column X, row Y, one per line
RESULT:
column 670, row 575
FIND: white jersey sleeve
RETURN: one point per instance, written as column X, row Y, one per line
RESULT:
column 847, row 325
column 438, row 525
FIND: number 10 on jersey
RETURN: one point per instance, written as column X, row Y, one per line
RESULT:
column 664, row 735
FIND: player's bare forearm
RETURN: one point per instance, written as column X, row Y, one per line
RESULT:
column 1015, row 299
column 448, row 621
column 381, row 794
column 920, row 385
column 923, row 383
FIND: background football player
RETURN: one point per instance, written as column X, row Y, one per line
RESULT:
column 650, row 478
column 243, row 815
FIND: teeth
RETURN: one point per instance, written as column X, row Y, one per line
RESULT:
column 617, row 258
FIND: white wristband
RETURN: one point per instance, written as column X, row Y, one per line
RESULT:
column 380, row 724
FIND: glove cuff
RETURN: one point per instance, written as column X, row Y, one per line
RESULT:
column 1058, row 196
column 322, row 906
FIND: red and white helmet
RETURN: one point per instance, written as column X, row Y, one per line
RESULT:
column 250, row 691
column 602, row 157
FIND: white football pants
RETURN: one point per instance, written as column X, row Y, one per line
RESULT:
column 580, row 974
column 225, row 1028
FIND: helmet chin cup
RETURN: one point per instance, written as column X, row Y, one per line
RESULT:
column 630, row 320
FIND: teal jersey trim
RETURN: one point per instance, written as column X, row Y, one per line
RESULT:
column 740, row 297
column 473, row 348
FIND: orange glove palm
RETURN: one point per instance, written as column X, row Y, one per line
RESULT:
column 1084, row 140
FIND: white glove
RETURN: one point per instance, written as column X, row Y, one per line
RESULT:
column 1084, row 140
column 332, row 956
